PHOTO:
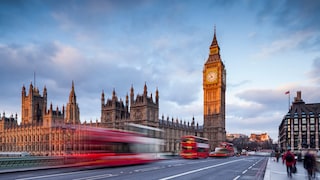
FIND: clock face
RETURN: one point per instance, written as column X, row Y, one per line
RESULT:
column 213, row 51
column 212, row 76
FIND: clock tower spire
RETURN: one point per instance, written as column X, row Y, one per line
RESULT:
column 214, row 54
column 214, row 41
column 214, row 89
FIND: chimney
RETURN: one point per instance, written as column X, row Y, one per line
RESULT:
column 298, row 98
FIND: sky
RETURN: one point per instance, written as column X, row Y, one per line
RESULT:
column 268, row 48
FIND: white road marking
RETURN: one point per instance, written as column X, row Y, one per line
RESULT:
column 244, row 171
column 147, row 169
column 236, row 177
column 197, row 170
column 46, row 176
column 102, row 176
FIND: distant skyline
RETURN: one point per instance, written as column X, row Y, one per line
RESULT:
column 268, row 48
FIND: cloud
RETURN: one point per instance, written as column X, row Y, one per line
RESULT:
column 285, row 43
column 257, row 109
column 294, row 24
column 314, row 72
column 241, row 83
column 290, row 14
column 106, row 45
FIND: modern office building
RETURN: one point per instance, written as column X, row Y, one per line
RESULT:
column 299, row 128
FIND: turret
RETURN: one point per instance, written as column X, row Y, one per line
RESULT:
column 51, row 109
column 145, row 92
column 157, row 96
column 72, row 109
column 192, row 123
column 44, row 99
column 30, row 90
column 113, row 94
column 23, row 93
column 127, row 100
column 131, row 95
column 102, row 98
column 72, row 96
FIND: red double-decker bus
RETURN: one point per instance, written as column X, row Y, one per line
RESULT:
column 109, row 147
column 224, row 149
column 193, row 147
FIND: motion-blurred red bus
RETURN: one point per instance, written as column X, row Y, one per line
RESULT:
column 224, row 149
column 193, row 147
column 109, row 147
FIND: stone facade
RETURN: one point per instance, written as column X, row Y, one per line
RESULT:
column 52, row 131
column 263, row 137
column 42, row 131
column 299, row 128
column 46, row 131
column 214, row 94
column 144, row 110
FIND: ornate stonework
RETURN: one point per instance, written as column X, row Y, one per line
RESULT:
column 43, row 131
column 214, row 90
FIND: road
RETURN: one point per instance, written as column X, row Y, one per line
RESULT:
column 233, row 168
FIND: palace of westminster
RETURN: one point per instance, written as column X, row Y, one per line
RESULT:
column 43, row 131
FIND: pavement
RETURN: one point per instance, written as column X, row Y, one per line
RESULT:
column 277, row 170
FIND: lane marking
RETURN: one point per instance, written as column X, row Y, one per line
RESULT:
column 147, row 169
column 197, row 170
column 244, row 171
column 96, row 177
column 46, row 176
column 236, row 177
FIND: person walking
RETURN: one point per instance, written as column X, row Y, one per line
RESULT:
column 290, row 161
column 277, row 155
column 309, row 163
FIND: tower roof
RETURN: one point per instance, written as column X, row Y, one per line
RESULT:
column 214, row 40
column 214, row 53
column 72, row 96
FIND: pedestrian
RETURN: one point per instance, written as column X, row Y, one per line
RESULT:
column 309, row 163
column 277, row 155
column 288, row 157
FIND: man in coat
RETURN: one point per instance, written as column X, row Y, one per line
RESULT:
column 309, row 163
column 290, row 160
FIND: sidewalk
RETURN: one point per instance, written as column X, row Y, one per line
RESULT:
column 276, row 171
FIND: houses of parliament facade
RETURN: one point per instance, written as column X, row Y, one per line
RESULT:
column 44, row 130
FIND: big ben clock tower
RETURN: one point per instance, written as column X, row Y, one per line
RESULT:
column 214, row 90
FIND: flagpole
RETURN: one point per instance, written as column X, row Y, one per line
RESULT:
column 289, row 101
column 288, row 92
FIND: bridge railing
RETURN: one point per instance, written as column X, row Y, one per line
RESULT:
column 30, row 161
